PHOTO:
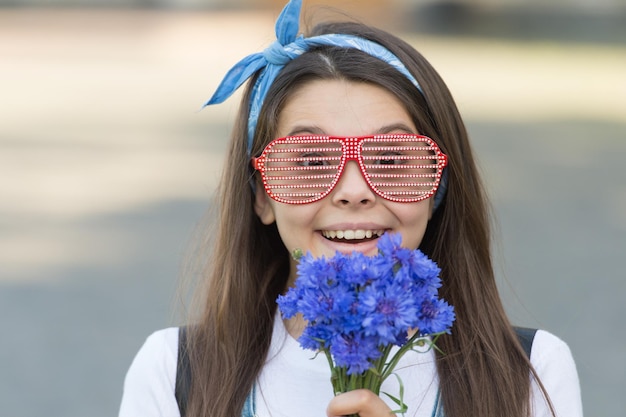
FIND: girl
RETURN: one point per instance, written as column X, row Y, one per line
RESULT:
column 352, row 85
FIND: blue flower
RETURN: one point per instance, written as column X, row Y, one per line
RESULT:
column 421, row 266
column 357, row 306
column 316, row 272
column 316, row 337
column 436, row 316
column 354, row 352
column 388, row 315
column 288, row 303
column 390, row 246
column 355, row 269
column 389, row 243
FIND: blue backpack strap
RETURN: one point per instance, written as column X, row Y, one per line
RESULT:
column 249, row 407
column 437, row 409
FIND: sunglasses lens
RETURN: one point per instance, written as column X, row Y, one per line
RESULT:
column 402, row 168
column 301, row 170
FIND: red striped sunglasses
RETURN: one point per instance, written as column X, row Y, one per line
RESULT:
column 404, row 168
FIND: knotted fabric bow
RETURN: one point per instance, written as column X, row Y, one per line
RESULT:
column 288, row 46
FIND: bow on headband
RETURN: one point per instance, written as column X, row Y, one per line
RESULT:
column 288, row 46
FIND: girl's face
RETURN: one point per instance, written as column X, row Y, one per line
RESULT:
column 352, row 209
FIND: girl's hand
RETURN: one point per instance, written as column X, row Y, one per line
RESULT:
column 362, row 402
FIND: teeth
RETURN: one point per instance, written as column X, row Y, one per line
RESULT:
column 351, row 234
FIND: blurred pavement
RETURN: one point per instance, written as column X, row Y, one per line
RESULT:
column 106, row 166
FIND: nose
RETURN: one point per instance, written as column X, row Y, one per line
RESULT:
column 352, row 189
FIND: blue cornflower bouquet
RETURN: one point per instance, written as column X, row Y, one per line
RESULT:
column 359, row 307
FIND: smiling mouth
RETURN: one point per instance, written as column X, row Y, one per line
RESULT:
column 352, row 236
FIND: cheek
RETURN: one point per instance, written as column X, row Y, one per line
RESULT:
column 415, row 213
column 414, row 220
column 290, row 218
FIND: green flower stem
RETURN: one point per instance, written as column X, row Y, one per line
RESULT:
column 409, row 345
column 380, row 370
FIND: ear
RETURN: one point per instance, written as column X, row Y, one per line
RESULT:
column 263, row 206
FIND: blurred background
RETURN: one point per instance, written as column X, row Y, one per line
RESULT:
column 107, row 166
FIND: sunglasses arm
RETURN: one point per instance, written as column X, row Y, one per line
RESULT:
column 257, row 163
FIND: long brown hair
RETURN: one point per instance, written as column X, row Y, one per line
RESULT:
column 484, row 371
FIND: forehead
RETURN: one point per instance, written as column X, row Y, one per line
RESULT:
column 343, row 108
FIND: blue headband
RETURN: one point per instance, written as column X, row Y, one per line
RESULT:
column 287, row 47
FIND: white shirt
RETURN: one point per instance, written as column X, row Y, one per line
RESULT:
column 295, row 382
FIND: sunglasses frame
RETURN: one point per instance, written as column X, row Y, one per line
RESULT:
column 350, row 151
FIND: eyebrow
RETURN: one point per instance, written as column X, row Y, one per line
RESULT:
column 312, row 130
column 315, row 130
column 393, row 127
